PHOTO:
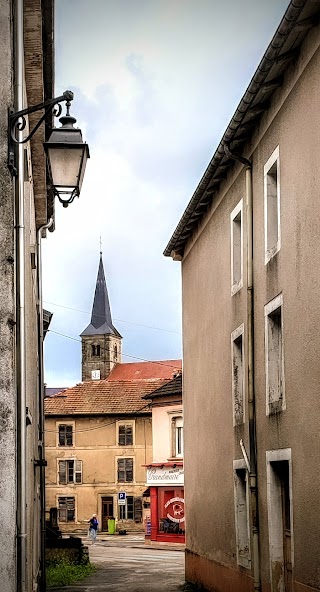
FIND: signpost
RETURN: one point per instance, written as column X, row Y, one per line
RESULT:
column 122, row 498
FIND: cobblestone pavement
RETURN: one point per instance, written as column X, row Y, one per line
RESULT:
column 125, row 568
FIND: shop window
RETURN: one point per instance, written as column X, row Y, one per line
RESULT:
column 125, row 434
column 125, row 470
column 65, row 435
column 70, row 471
column 66, row 509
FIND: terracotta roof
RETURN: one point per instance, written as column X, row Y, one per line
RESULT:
column 102, row 397
column 145, row 370
column 172, row 387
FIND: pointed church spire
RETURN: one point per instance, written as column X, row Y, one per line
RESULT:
column 101, row 320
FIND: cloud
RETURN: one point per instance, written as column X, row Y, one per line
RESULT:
column 155, row 85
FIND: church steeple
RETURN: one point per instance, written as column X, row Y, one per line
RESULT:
column 101, row 342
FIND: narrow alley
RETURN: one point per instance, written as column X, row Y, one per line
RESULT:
column 125, row 564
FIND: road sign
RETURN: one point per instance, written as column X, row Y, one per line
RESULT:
column 122, row 498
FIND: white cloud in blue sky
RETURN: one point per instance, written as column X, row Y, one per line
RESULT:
column 155, row 82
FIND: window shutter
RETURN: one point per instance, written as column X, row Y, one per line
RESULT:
column 121, row 470
column 63, row 471
column 78, row 471
column 138, row 509
column 69, row 434
column 129, row 469
column 129, row 435
column 122, row 435
column 61, row 435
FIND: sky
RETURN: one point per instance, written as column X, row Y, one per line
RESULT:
column 156, row 83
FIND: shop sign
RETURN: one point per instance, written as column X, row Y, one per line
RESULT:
column 175, row 509
column 165, row 475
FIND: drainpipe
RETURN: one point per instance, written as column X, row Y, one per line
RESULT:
column 20, row 309
column 41, row 462
column 251, row 394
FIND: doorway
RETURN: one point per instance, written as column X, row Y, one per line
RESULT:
column 107, row 511
column 280, row 521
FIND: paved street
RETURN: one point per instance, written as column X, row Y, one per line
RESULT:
column 124, row 564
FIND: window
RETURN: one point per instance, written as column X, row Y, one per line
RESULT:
column 65, row 435
column 132, row 509
column 115, row 351
column 272, row 205
column 275, row 396
column 125, row 470
column 280, row 518
column 66, row 509
column 236, row 248
column 70, row 471
column 125, row 435
column 96, row 350
column 177, row 435
column 238, row 375
column 241, row 505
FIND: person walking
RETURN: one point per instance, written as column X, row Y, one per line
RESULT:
column 93, row 527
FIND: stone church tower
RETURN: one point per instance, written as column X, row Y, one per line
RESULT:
column 101, row 342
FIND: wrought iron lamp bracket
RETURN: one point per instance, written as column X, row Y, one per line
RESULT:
column 18, row 122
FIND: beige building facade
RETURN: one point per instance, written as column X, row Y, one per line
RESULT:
column 249, row 246
column 90, row 460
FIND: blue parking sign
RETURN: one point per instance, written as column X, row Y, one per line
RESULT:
column 122, row 498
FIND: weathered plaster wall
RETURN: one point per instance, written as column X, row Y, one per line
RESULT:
column 7, row 317
column 162, row 431
column 210, row 314
column 96, row 445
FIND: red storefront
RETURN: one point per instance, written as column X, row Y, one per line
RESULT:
column 166, row 483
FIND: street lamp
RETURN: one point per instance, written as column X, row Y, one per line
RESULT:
column 66, row 152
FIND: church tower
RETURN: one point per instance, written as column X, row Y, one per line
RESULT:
column 101, row 342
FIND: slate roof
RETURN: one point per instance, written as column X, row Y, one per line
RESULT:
column 172, row 387
column 53, row 390
column 101, row 320
column 145, row 370
column 284, row 48
column 103, row 397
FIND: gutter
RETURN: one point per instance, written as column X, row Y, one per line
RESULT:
column 20, row 307
column 41, row 460
column 186, row 224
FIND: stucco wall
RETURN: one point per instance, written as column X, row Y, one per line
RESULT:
column 96, row 444
column 210, row 314
column 162, row 431
column 7, row 388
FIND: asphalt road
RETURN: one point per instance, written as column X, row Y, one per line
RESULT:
column 125, row 568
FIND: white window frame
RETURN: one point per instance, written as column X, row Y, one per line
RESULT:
column 274, row 507
column 179, row 419
column 269, row 308
column 71, row 423
column 236, row 286
column 271, row 252
column 234, row 336
column 244, row 561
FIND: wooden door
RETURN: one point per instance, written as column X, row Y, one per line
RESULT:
column 107, row 511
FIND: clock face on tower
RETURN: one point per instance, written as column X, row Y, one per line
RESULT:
column 95, row 374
